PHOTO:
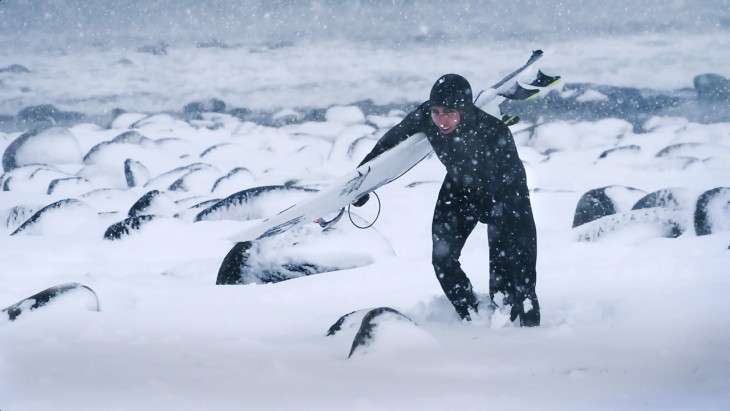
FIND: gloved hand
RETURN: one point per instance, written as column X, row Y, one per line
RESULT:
column 360, row 201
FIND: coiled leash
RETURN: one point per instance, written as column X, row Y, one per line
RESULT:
column 325, row 224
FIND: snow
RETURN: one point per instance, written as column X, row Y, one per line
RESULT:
column 345, row 115
column 631, row 320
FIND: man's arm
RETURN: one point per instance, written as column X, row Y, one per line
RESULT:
column 410, row 125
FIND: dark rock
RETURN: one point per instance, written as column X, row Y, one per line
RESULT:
column 712, row 213
column 368, row 329
column 236, row 171
column 213, row 148
column 17, row 215
column 47, row 113
column 142, row 206
column 14, row 68
column 9, row 160
column 69, row 202
column 212, row 43
column 131, row 137
column 337, row 326
column 36, row 138
column 668, row 150
column 196, row 108
column 712, row 87
column 194, row 209
column 315, row 114
column 622, row 149
column 668, row 198
column 113, row 116
column 242, row 265
column 169, row 177
column 235, row 206
column 229, row 272
column 159, row 49
column 118, row 230
column 597, row 203
column 53, row 185
column 179, row 184
column 668, row 222
column 135, row 173
column 128, row 137
column 288, row 117
column 241, row 113
column 46, row 296
column 6, row 183
column 184, row 184
column 201, row 205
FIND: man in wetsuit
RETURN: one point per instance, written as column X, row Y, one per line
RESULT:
column 485, row 182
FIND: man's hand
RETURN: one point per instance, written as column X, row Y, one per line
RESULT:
column 360, row 201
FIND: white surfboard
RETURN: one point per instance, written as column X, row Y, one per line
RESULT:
column 343, row 191
column 379, row 171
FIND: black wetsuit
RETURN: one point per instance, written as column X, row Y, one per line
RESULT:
column 485, row 182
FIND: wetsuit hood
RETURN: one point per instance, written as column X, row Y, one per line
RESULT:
column 451, row 91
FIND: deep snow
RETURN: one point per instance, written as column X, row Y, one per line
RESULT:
column 630, row 321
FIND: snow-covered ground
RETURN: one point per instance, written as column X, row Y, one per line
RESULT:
column 631, row 320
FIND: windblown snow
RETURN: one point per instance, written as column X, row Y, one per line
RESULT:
column 633, row 303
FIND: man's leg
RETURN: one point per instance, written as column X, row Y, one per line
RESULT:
column 513, row 257
column 453, row 221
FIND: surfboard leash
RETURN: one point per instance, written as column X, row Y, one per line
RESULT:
column 325, row 224
column 349, row 214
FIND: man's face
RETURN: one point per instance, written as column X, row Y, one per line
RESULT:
column 446, row 119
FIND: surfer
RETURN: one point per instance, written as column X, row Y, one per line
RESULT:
column 485, row 182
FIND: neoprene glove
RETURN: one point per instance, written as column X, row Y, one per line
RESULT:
column 360, row 201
